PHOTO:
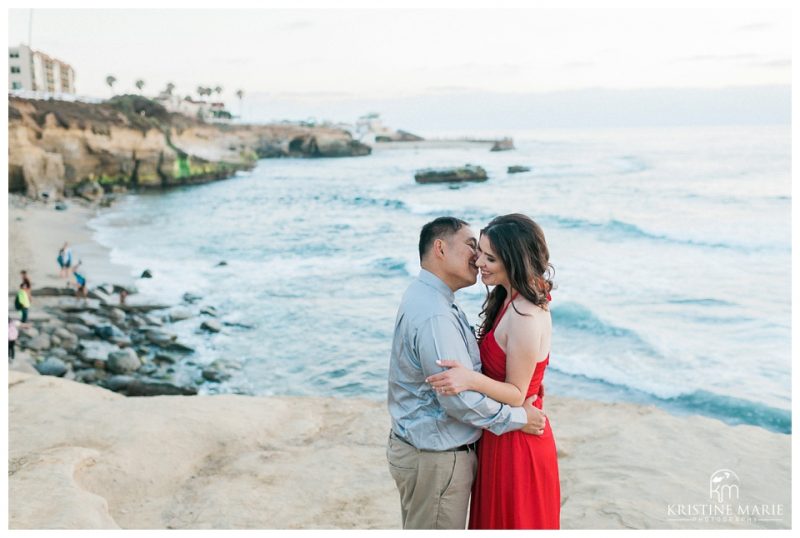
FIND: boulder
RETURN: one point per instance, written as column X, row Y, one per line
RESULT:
column 516, row 169
column 148, row 369
column 101, row 296
column 39, row 343
column 160, row 338
column 179, row 313
column 211, row 325
column 191, row 297
column 89, row 190
column 153, row 388
column 60, row 206
column 108, row 332
column 96, row 352
column 162, row 357
column 52, row 366
column 80, row 331
column 58, row 352
column 209, row 311
column 146, row 274
column 78, row 304
column 63, row 333
column 118, row 383
column 123, row 361
column 212, row 374
column 459, row 174
column 52, row 292
column 130, row 289
column 29, row 332
column 86, row 375
column 177, row 346
column 116, row 315
column 504, row 144
column 108, row 289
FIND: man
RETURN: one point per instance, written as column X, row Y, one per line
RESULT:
column 431, row 448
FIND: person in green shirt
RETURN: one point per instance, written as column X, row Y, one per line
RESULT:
column 23, row 302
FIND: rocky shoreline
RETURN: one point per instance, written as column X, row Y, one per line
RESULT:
column 126, row 348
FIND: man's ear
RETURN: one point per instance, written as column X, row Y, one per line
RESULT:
column 438, row 248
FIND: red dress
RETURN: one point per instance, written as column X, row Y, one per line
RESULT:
column 517, row 483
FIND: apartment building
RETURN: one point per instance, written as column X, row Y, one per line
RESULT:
column 32, row 70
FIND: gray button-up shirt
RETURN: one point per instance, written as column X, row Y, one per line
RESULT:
column 429, row 327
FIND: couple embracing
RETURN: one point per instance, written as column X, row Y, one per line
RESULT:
column 466, row 409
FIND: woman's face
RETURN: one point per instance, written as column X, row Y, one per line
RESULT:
column 492, row 271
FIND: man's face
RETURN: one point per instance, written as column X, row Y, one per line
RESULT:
column 460, row 255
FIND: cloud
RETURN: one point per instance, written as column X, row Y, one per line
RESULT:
column 450, row 89
column 297, row 25
column 577, row 65
column 719, row 58
column 755, row 27
column 777, row 63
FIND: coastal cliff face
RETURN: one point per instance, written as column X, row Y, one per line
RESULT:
column 65, row 148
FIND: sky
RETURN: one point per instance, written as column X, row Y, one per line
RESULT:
column 299, row 63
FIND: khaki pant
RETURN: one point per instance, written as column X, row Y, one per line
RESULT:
column 434, row 486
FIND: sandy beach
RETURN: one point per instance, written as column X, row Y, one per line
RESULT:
column 84, row 457
column 36, row 231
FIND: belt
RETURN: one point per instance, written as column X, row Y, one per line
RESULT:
column 469, row 447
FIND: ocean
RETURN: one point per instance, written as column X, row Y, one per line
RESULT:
column 671, row 247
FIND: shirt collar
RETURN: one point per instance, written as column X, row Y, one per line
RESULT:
column 426, row 277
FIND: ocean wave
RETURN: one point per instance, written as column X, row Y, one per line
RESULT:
column 391, row 266
column 728, row 409
column 732, row 410
column 630, row 164
column 625, row 230
column 575, row 316
column 706, row 301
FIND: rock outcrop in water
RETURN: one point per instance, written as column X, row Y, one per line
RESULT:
column 467, row 172
column 63, row 148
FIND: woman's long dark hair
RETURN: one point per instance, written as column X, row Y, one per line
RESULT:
column 519, row 243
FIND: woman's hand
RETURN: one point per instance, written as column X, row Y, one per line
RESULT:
column 450, row 382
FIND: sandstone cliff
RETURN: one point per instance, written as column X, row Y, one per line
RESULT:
column 60, row 147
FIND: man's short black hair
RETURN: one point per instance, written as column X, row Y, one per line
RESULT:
column 439, row 228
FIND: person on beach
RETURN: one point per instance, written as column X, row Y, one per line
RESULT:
column 64, row 260
column 27, row 281
column 23, row 302
column 517, row 486
column 80, row 281
column 13, row 334
column 431, row 445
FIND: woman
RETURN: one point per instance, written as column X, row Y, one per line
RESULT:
column 517, row 485
column 64, row 260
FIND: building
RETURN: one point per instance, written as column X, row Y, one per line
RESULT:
column 201, row 110
column 33, row 71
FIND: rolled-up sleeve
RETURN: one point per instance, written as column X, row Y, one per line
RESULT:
column 440, row 337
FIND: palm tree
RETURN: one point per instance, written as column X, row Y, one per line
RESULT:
column 240, row 94
column 170, row 88
column 111, row 80
column 140, row 84
column 218, row 90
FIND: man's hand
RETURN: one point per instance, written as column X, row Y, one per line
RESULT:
column 536, row 417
